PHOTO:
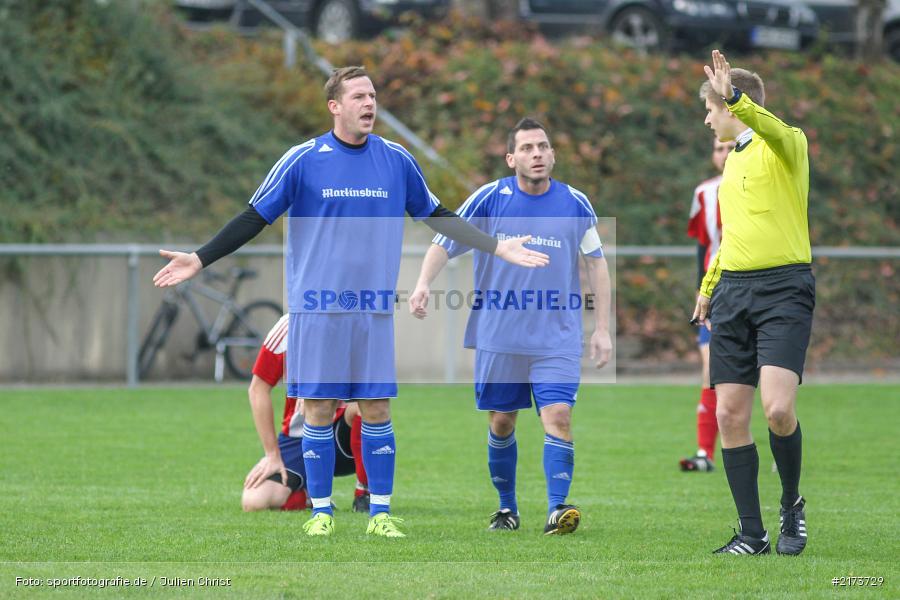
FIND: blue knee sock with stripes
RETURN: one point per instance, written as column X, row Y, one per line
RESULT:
column 502, row 457
column 379, row 449
column 559, row 463
column 318, row 458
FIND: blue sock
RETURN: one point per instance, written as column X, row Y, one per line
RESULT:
column 503, row 453
column 559, row 462
column 318, row 458
column 379, row 449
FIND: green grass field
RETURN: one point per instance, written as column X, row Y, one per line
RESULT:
column 147, row 483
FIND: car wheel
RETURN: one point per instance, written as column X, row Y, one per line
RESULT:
column 638, row 28
column 892, row 43
column 337, row 21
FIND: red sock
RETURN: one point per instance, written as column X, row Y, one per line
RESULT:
column 707, row 426
column 356, row 447
column 296, row 501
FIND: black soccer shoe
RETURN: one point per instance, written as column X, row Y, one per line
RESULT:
column 504, row 520
column 563, row 520
column 698, row 462
column 792, row 540
column 361, row 503
column 744, row 544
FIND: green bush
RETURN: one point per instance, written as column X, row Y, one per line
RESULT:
column 112, row 131
column 120, row 126
column 628, row 129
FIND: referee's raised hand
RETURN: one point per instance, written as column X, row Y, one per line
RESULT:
column 720, row 75
column 182, row 266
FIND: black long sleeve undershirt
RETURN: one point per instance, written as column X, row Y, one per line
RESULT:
column 247, row 225
column 235, row 234
column 448, row 223
column 701, row 260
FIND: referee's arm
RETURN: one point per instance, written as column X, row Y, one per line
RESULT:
column 788, row 143
column 713, row 274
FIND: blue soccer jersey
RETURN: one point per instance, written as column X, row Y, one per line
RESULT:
column 345, row 209
column 528, row 311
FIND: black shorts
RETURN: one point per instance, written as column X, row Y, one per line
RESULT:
column 343, row 454
column 760, row 318
column 292, row 454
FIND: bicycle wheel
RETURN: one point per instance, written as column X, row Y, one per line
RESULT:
column 156, row 336
column 246, row 333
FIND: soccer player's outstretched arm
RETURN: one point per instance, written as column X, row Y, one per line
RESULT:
column 183, row 265
column 598, row 278
column 435, row 260
column 271, row 200
column 788, row 143
column 271, row 463
column 512, row 250
column 454, row 227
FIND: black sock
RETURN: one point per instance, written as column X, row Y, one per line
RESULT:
column 788, row 451
column 742, row 469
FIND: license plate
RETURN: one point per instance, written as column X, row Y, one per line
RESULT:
column 775, row 37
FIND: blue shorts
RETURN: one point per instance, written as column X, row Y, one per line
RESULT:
column 506, row 382
column 291, row 449
column 347, row 356
column 703, row 335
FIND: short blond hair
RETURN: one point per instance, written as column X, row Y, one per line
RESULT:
column 748, row 82
column 334, row 87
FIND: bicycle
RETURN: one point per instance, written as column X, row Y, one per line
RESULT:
column 236, row 344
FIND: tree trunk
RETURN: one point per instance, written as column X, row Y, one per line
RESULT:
column 869, row 30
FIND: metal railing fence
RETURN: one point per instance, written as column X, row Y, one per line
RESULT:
column 132, row 253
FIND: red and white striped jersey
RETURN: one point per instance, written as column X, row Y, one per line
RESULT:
column 269, row 367
column 705, row 224
column 269, row 364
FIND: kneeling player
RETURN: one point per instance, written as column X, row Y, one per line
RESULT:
column 279, row 479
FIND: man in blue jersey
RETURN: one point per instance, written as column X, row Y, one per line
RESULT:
column 525, row 326
column 345, row 194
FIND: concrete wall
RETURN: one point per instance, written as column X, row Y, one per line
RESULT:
column 64, row 319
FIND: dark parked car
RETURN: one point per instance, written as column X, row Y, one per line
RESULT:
column 662, row 24
column 332, row 20
column 891, row 22
column 837, row 19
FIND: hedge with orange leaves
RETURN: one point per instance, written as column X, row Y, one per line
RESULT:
column 193, row 122
column 628, row 130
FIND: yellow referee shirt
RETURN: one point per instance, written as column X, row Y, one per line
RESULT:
column 762, row 198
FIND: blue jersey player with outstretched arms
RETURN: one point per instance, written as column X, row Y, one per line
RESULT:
column 525, row 326
column 345, row 194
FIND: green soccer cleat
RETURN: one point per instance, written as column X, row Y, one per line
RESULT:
column 320, row 524
column 385, row 525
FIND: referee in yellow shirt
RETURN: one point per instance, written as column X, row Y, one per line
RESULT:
column 758, row 296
